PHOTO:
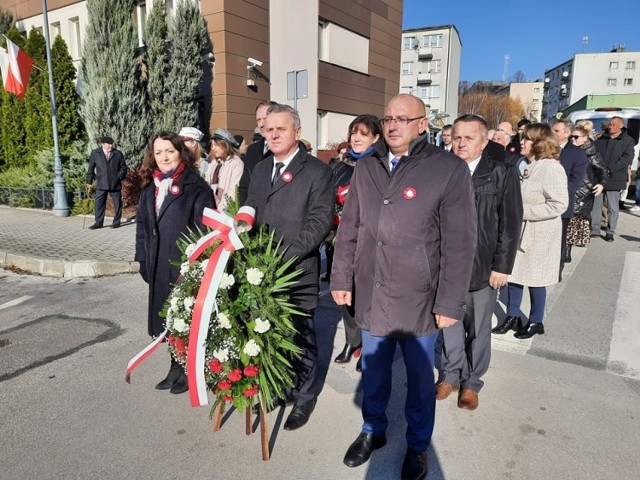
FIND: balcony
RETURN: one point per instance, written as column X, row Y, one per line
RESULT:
column 424, row 53
column 424, row 79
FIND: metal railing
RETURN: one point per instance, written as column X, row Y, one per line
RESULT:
column 41, row 198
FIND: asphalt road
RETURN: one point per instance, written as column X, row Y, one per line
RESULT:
column 556, row 407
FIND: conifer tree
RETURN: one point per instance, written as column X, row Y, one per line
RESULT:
column 6, row 21
column 12, row 116
column 157, row 62
column 113, row 96
column 70, row 128
column 37, row 117
column 189, row 40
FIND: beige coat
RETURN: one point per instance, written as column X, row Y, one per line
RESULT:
column 544, row 197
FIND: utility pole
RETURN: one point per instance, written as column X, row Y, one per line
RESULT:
column 60, row 204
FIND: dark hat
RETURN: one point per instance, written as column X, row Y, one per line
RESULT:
column 222, row 134
column 239, row 139
column 108, row 140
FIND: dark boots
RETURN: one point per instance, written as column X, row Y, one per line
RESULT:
column 509, row 323
column 176, row 379
column 347, row 352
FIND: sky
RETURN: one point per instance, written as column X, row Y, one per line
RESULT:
column 537, row 34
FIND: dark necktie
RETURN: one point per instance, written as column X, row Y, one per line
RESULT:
column 216, row 174
column 394, row 164
column 276, row 174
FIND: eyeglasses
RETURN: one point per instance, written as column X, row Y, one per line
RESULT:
column 574, row 137
column 399, row 120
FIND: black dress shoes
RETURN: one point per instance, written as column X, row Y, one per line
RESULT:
column 360, row 450
column 172, row 377
column 347, row 352
column 299, row 415
column 509, row 323
column 529, row 331
column 95, row 226
column 116, row 225
column 182, row 385
column 415, row 465
column 608, row 237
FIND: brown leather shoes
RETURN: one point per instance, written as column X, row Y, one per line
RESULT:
column 444, row 389
column 468, row 399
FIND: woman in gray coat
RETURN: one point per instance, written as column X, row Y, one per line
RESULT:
column 545, row 196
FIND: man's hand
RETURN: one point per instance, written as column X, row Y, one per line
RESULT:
column 497, row 279
column 444, row 322
column 597, row 190
column 341, row 297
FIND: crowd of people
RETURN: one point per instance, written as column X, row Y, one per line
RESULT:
column 427, row 235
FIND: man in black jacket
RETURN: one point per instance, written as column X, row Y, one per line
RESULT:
column 466, row 345
column 616, row 149
column 107, row 165
column 292, row 192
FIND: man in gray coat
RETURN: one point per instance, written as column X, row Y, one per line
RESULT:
column 293, row 194
column 407, row 239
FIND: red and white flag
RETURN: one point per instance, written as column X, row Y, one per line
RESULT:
column 16, row 68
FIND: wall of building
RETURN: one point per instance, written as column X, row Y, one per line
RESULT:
column 530, row 94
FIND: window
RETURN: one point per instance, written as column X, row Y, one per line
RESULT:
column 536, row 100
column 432, row 40
column 536, row 89
column 75, row 39
column 54, row 31
column 436, row 66
column 612, row 82
column 613, row 65
column 409, row 42
column 630, row 65
column 535, row 113
column 407, row 90
column 432, row 91
column 628, row 82
column 407, row 68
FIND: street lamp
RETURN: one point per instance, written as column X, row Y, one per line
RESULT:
column 60, row 205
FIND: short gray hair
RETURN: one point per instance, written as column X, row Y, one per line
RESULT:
column 280, row 108
column 568, row 125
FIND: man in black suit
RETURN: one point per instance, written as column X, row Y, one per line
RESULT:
column 256, row 152
column 107, row 166
column 574, row 161
column 292, row 192
column 447, row 141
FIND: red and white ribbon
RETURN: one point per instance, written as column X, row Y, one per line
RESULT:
column 143, row 355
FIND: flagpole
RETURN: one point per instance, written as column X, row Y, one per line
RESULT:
column 60, row 204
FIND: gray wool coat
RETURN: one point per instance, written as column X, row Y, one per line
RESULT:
column 408, row 239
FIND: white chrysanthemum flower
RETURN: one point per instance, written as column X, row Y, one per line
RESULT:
column 179, row 325
column 184, row 268
column 169, row 319
column 204, row 264
column 227, row 280
column 174, row 303
column 223, row 320
column 254, row 276
column 189, row 302
column 251, row 348
column 191, row 248
column 262, row 326
column 222, row 354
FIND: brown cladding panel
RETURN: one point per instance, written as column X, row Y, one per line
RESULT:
column 348, row 14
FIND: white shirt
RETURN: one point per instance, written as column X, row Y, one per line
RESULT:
column 473, row 165
column 286, row 162
column 447, row 148
column 391, row 156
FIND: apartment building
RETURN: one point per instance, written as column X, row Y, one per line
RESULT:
column 530, row 94
column 330, row 59
column 430, row 68
column 607, row 73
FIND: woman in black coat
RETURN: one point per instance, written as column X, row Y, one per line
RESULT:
column 597, row 173
column 171, row 203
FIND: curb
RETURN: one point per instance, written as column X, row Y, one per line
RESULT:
column 66, row 269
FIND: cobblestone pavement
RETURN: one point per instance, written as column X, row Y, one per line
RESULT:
column 39, row 235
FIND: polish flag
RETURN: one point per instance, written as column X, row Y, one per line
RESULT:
column 16, row 68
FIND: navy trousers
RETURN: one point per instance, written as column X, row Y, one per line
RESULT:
column 420, row 405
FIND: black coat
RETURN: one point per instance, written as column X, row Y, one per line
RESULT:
column 109, row 173
column 617, row 154
column 499, row 208
column 495, row 150
column 255, row 154
column 156, row 237
column 574, row 161
column 301, row 213
column 597, row 173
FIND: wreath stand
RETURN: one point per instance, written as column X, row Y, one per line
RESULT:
column 217, row 423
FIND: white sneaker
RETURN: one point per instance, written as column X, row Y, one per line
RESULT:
column 635, row 208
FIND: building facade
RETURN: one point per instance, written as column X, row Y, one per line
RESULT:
column 615, row 72
column 430, row 68
column 530, row 94
column 330, row 59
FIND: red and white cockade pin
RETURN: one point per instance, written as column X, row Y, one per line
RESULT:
column 287, row 177
column 174, row 189
column 409, row 193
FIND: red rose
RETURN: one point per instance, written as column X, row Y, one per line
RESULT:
column 251, row 371
column 235, row 375
column 172, row 340
column 250, row 392
column 179, row 344
column 215, row 365
column 228, row 398
column 224, row 385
